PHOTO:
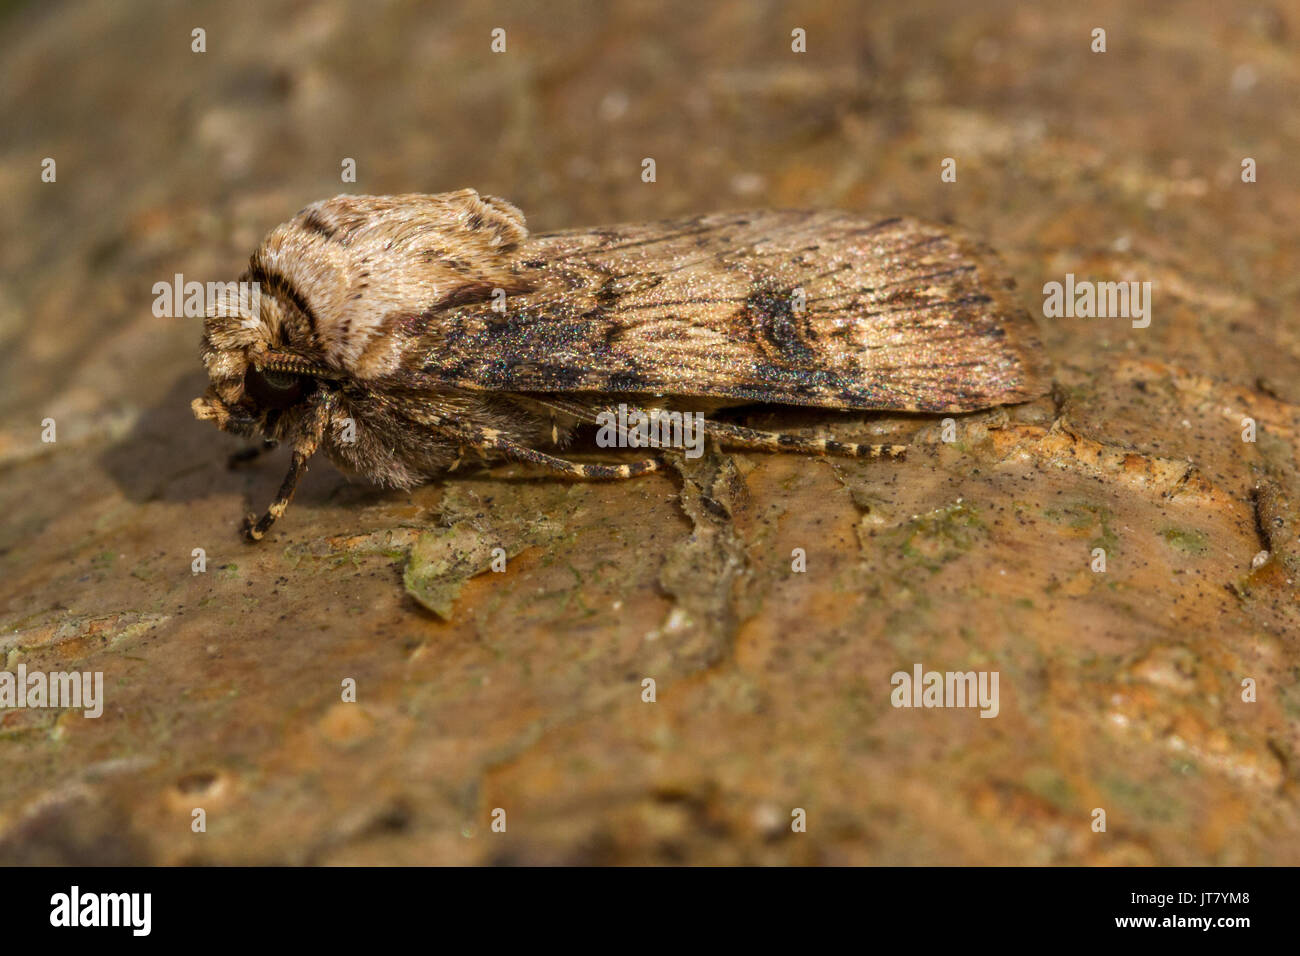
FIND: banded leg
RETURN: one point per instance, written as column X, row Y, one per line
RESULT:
column 511, row 449
column 305, row 444
column 728, row 434
column 256, row 530
column 493, row 440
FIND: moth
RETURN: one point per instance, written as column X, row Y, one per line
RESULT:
column 397, row 334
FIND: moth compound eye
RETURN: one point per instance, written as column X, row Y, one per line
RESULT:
column 271, row 389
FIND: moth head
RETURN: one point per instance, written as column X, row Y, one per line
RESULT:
column 259, row 377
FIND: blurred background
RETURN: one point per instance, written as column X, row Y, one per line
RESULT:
column 1119, row 691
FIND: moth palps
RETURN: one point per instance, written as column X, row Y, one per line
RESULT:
column 400, row 333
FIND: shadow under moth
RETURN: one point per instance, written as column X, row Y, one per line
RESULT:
column 399, row 333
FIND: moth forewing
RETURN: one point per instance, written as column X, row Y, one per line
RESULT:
column 399, row 332
column 803, row 308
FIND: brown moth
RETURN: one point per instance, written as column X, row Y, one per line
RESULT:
column 398, row 333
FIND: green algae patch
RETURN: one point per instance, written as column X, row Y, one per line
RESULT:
column 1082, row 517
column 933, row 539
column 442, row 561
column 1186, row 540
column 477, row 540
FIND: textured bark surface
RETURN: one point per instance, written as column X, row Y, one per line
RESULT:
column 522, row 690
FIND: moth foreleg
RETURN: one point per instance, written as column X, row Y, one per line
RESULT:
column 305, row 444
column 255, row 530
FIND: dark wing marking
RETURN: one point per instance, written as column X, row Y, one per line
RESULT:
column 896, row 315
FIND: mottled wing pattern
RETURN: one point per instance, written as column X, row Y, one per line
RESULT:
column 896, row 315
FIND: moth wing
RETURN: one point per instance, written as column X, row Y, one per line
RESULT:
column 803, row 308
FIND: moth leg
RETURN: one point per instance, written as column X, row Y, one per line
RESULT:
column 304, row 446
column 578, row 470
column 729, row 434
column 250, row 453
column 581, row 411
column 483, row 439
column 255, row 530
